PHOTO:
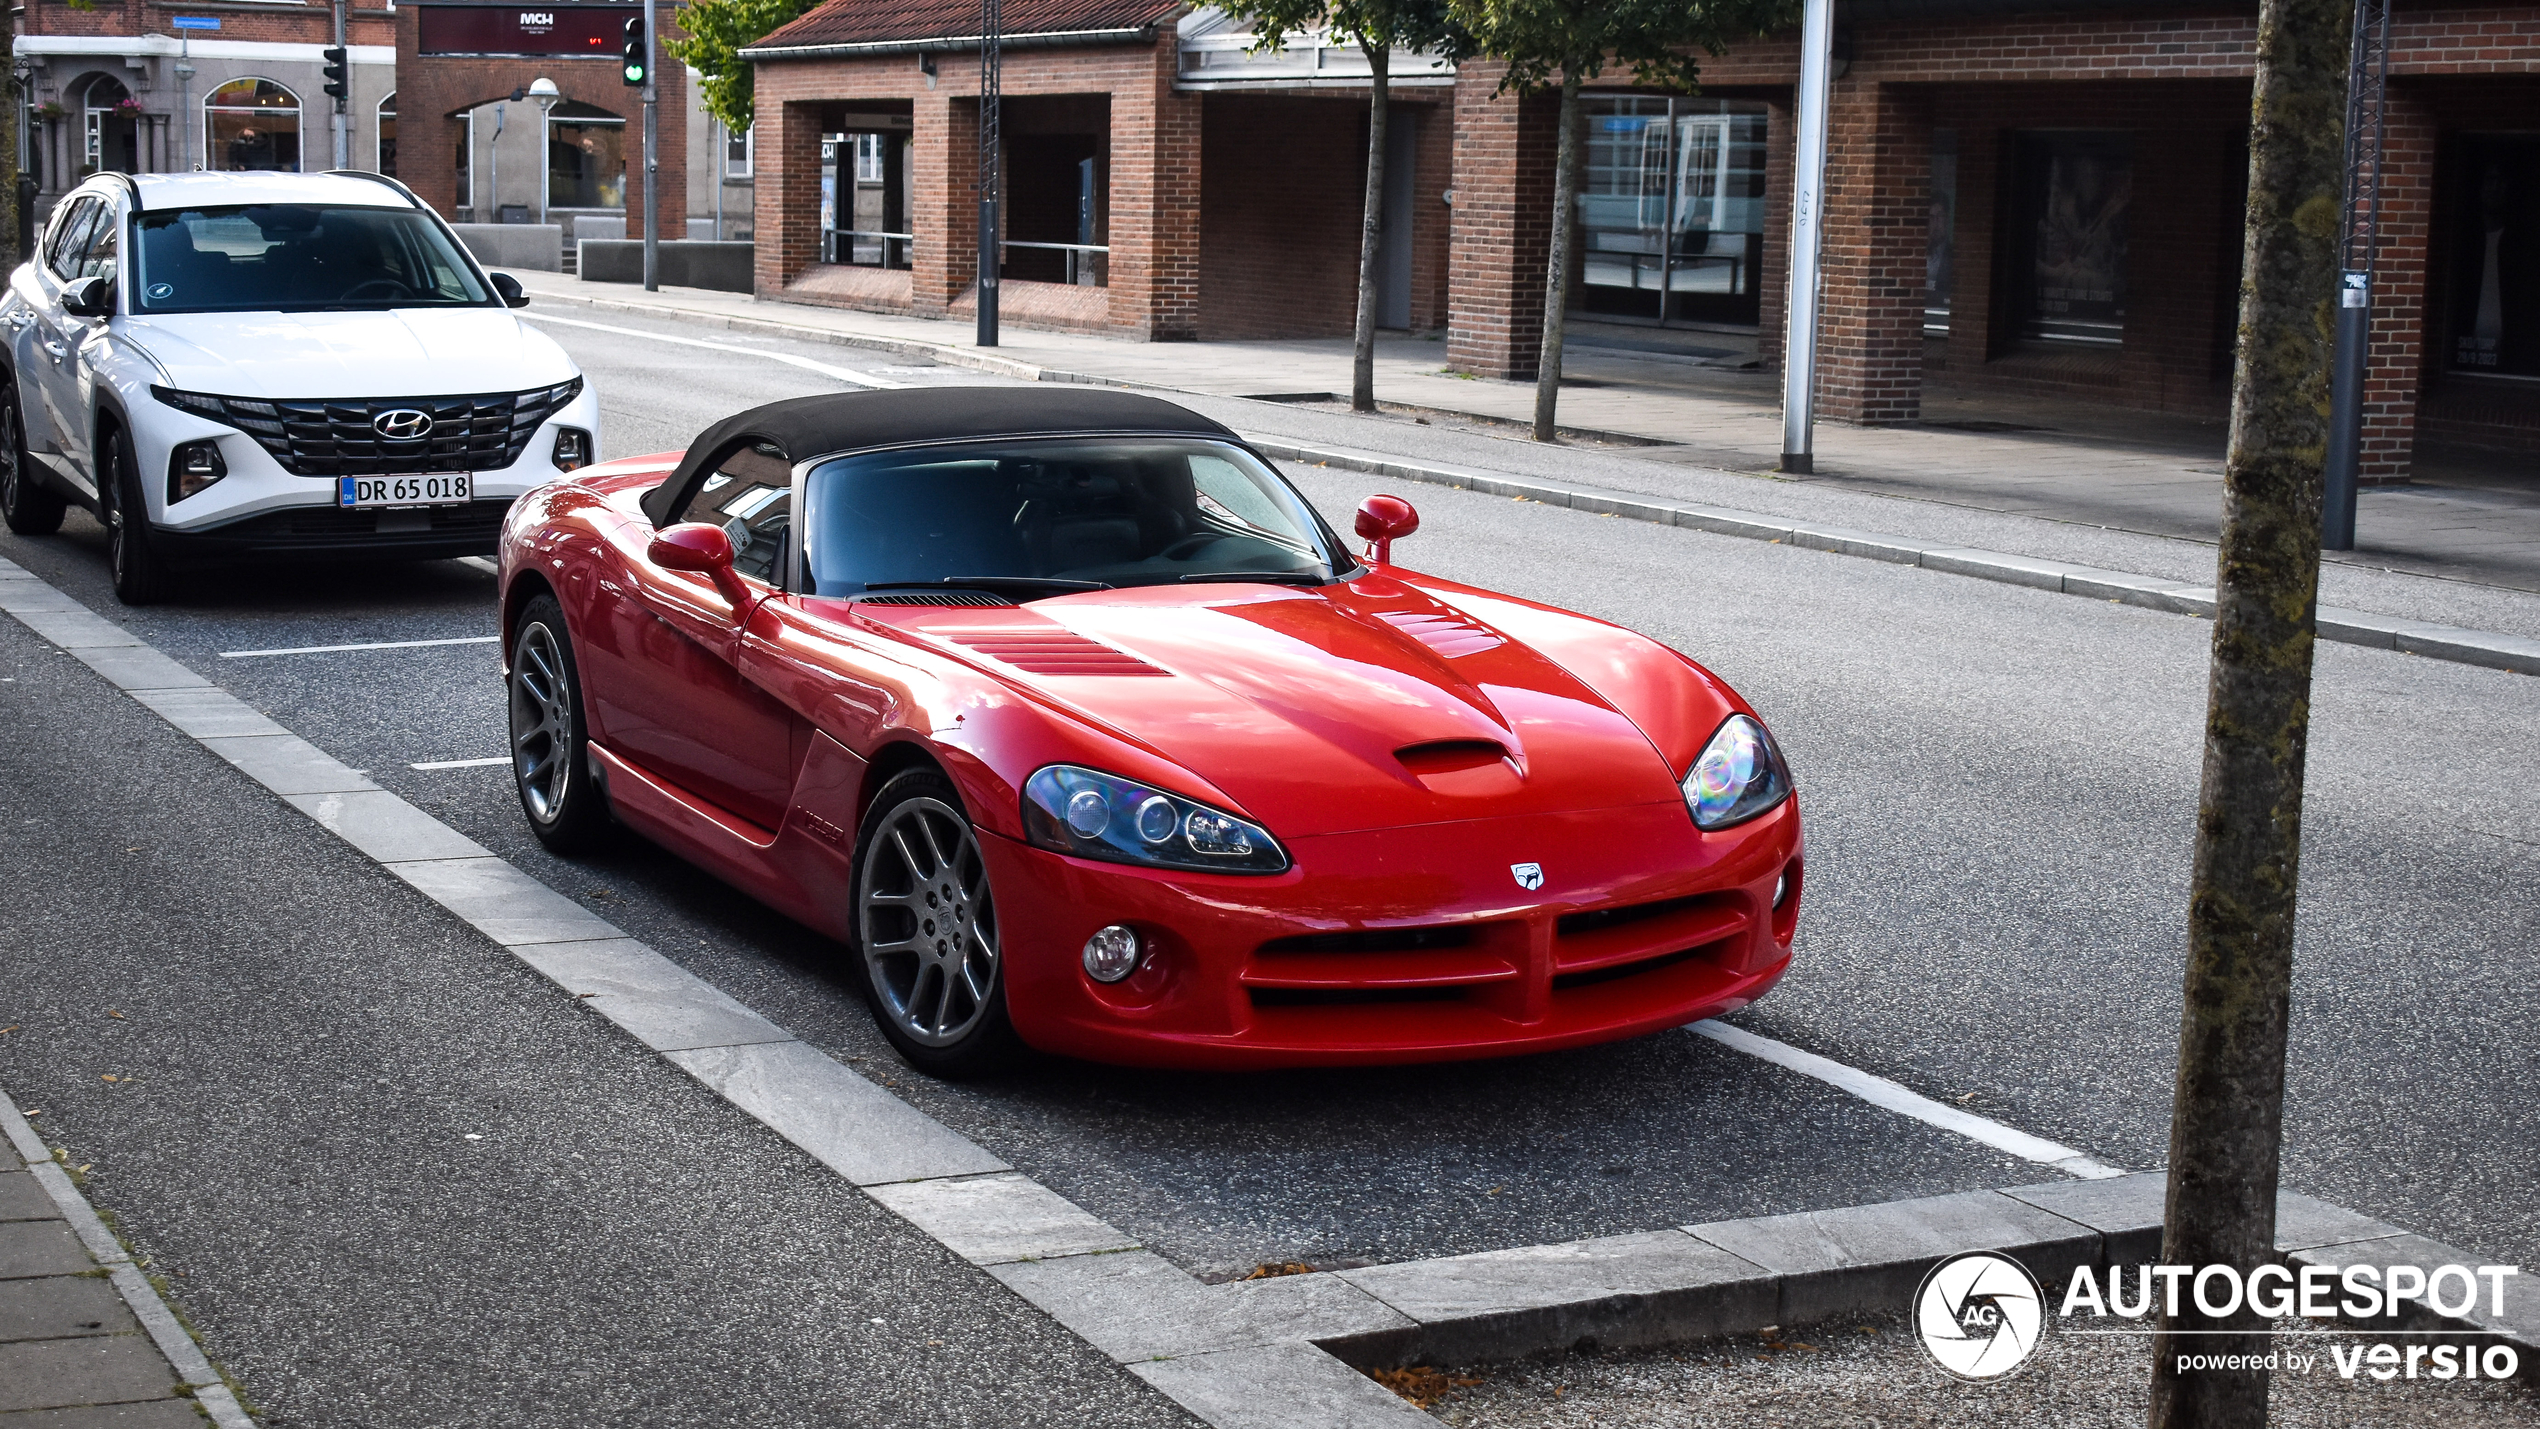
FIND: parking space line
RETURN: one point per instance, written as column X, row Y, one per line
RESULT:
column 843, row 374
column 363, row 645
column 482, row 564
column 432, row 764
column 1880, row 1092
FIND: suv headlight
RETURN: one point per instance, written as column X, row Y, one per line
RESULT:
column 1091, row 814
column 1739, row 775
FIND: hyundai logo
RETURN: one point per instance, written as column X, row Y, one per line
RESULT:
column 402, row 424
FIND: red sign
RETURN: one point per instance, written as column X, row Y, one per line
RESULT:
column 598, row 31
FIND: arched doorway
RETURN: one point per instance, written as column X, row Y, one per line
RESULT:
column 586, row 157
column 111, row 129
column 252, row 124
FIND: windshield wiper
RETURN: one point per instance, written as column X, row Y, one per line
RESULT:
column 1047, row 585
column 1265, row 577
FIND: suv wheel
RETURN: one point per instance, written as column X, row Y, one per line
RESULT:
column 26, row 504
column 141, row 576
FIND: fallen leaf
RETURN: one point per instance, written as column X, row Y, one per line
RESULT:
column 113, row 1013
column 109, row 1077
column 5, row 1031
column 1271, row 1269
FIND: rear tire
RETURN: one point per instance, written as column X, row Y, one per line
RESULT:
column 926, row 935
column 141, row 574
column 550, row 740
column 28, row 506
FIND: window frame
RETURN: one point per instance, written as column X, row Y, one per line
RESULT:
column 81, row 209
column 299, row 122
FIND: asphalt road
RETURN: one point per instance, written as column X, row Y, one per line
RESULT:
column 1999, row 785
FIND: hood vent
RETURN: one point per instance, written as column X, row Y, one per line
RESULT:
column 1447, row 632
column 1450, row 756
column 936, row 597
column 1051, row 650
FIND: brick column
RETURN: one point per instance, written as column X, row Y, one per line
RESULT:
column 1501, row 234
column 1978, row 233
column 2400, row 317
column 1773, row 283
column 786, row 199
column 944, row 200
column 1155, row 200
column 1878, row 180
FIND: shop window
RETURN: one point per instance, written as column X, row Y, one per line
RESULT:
column 252, row 124
column 2067, row 269
column 586, row 157
column 1671, row 208
column 2495, row 288
column 387, row 133
column 740, row 151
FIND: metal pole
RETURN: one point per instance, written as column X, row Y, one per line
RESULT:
column 185, row 116
column 2367, row 85
column 652, row 155
column 343, row 127
column 1807, row 221
column 494, row 170
column 991, row 139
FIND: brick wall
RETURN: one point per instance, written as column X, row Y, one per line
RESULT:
column 1155, row 203
column 1502, row 226
column 1875, row 247
column 433, row 89
column 1282, row 180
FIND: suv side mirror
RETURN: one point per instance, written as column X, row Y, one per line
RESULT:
column 1383, row 519
column 699, row 549
column 89, row 298
column 507, row 288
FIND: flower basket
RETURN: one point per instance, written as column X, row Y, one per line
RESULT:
column 128, row 109
column 50, row 109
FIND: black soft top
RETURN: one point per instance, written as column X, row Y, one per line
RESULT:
column 840, row 422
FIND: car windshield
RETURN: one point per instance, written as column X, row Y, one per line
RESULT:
column 288, row 256
column 1042, row 517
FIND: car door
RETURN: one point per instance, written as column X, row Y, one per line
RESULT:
column 36, row 319
column 669, row 694
column 83, row 343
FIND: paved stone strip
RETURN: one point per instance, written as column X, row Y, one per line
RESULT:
column 2513, row 654
column 71, row 1337
column 1265, row 1354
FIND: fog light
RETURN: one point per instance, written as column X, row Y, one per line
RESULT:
column 192, row 467
column 1781, row 889
column 1111, row 954
column 573, row 449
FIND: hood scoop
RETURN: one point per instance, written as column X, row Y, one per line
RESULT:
column 1450, row 633
column 1048, row 650
column 1451, row 756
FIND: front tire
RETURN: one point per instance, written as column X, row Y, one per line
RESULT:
column 926, row 931
column 141, row 574
column 26, row 504
column 551, row 742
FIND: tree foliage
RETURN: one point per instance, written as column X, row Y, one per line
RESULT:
column 717, row 32
column 1429, row 25
column 1546, row 43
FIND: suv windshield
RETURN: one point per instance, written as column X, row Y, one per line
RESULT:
column 1037, row 518
column 278, row 257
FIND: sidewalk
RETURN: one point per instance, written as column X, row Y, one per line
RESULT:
column 74, row 1354
column 2468, row 517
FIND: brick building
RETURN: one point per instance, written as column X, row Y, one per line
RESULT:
column 2026, row 197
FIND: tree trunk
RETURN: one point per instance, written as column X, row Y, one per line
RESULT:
column 1371, row 231
column 1556, row 288
column 2227, row 1120
column 11, row 115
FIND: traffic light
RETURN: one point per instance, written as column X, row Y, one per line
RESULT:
column 338, row 81
column 635, row 51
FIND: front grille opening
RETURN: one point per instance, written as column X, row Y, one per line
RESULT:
column 1597, row 920
column 1377, row 940
column 1352, row 996
column 1563, row 982
column 332, row 438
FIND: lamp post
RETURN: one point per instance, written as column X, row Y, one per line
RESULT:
column 2367, row 88
column 545, row 92
column 991, row 88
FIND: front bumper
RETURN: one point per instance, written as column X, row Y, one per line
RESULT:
column 1405, row 945
column 318, row 533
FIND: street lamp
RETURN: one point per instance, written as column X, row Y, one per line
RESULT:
column 545, row 92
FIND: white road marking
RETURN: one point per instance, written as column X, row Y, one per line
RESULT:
column 369, row 645
column 482, row 564
column 843, row 374
column 431, row 764
column 1880, row 1092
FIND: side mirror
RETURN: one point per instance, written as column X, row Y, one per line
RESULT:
column 1383, row 520
column 507, row 288
column 699, row 549
column 89, row 298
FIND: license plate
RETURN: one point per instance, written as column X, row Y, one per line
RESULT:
column 363, row 493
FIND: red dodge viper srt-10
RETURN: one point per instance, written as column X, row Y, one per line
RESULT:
column 1073, row 720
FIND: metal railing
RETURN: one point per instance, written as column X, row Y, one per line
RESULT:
column 867, row 248
column 1086, row 264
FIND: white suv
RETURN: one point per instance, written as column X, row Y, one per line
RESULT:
column 259, row 366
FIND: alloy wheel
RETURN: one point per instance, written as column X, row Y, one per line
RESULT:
column 928, row 927
column 542, row 722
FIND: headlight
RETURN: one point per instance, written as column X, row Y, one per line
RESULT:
column 1096, row 815
column 1739, row 775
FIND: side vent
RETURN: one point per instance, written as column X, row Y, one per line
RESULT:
column 1051, row 651
column 1447, row 633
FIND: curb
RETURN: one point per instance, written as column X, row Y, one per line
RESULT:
column 2513, row 654
column 1266, row 1354
column 193, row 1369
